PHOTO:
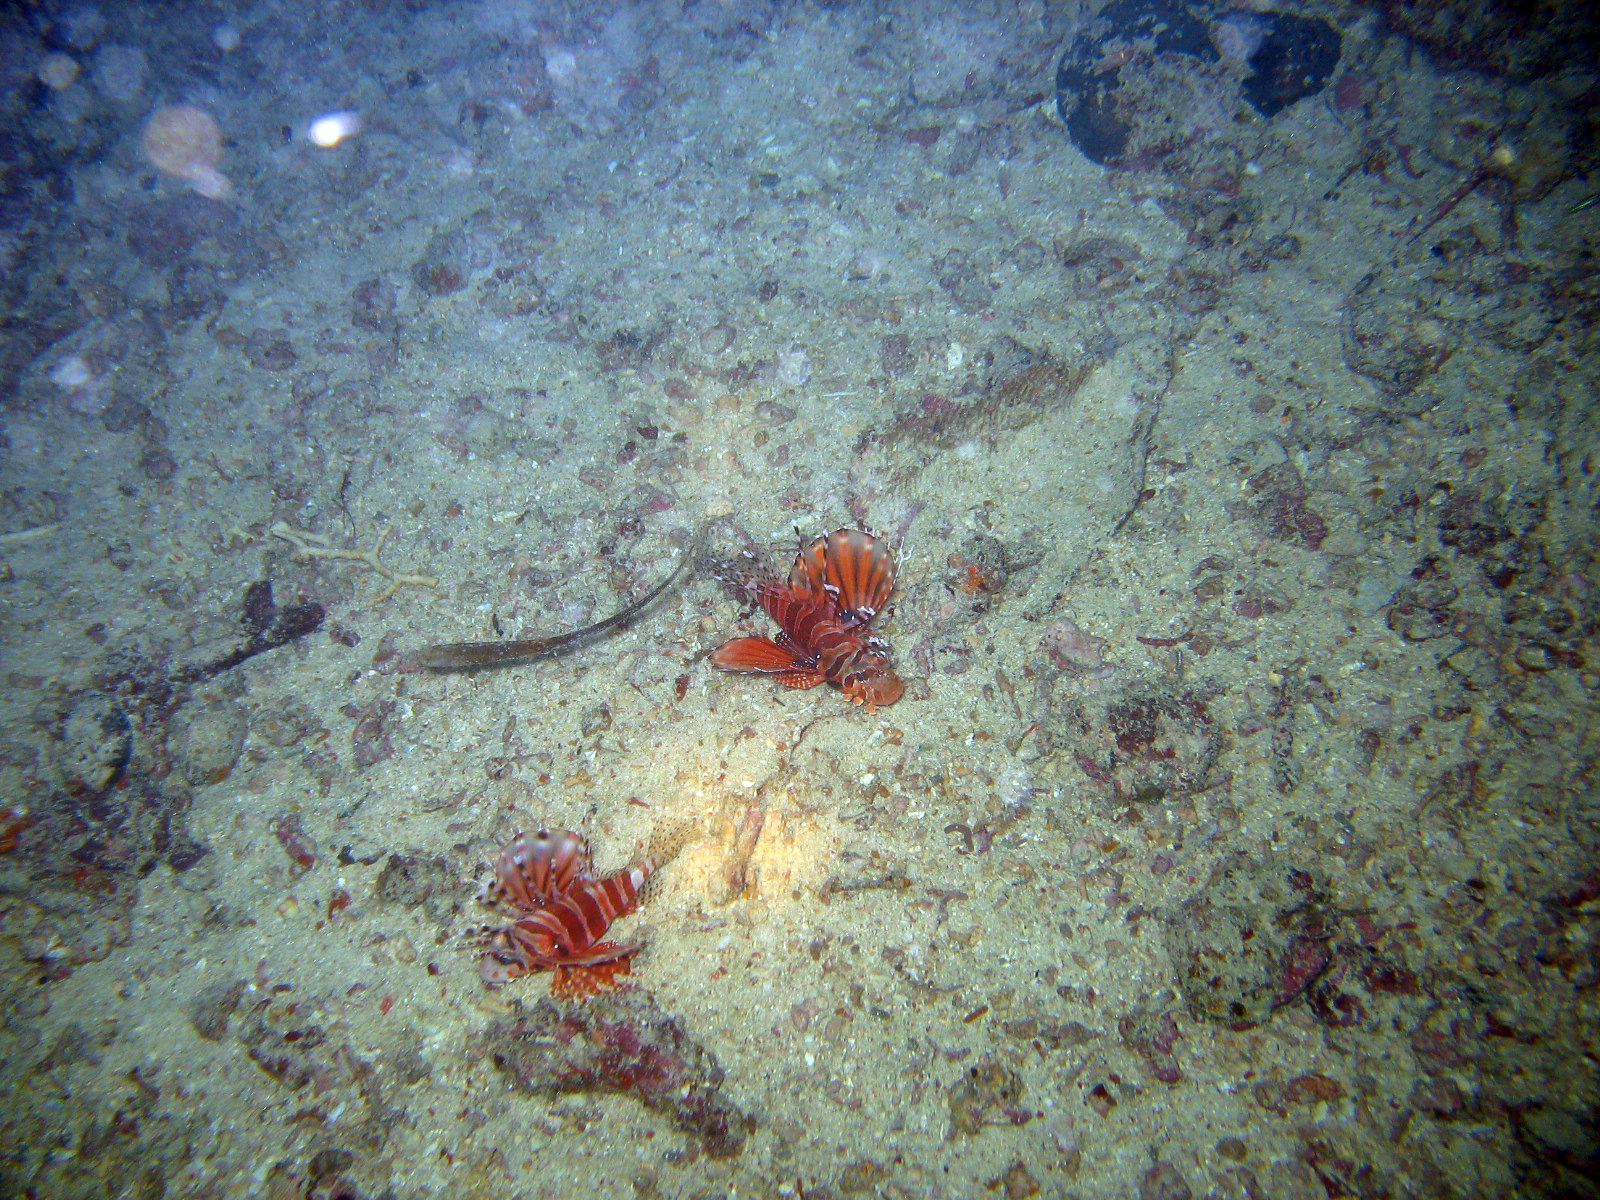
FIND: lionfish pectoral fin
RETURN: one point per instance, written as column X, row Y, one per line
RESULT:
column 859, row 568
column 755, row 655
column 604, row 952
column 800, row 678
column 579, row 981
column 593, row 971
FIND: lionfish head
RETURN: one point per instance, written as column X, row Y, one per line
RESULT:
column 500, row 964
column 505, row 957
column 872, row 684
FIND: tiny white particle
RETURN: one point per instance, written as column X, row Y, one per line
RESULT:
column 332, row 128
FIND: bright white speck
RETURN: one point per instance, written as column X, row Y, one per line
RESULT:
column 332, row 128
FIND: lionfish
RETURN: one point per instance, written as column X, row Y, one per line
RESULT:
column 836, row 586
column 562, row 911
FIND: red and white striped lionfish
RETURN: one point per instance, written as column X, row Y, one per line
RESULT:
column 561, row 912
column 837, row 585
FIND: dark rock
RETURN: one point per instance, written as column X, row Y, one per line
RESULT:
column 1102, row 60
column 1296, row 57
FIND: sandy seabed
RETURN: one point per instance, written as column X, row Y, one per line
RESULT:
column 1237, row 833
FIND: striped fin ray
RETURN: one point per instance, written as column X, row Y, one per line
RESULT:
column 852, row 568
column 534, row 867
column 860, row 567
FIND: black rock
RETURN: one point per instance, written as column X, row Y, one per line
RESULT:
column 1294, row 61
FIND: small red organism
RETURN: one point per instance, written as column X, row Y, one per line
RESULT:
column 978, row 568
column 301, row 849
column 13, row 821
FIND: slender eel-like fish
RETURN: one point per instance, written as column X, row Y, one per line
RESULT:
column 470, row 656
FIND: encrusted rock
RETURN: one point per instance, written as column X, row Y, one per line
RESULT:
column 619, row 1042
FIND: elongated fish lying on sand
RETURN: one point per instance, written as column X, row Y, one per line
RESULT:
column 470, row 656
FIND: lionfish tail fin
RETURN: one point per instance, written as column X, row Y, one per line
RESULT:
column 664, row 845
column 668, row 841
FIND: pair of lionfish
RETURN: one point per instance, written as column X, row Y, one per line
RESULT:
column 561, row 911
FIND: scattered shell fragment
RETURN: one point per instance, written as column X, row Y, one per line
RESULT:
column 185, row 143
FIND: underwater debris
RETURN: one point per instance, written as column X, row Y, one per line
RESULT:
column 311, row 545
column 266, row 627
column 1521, row 42
column 119, row 770
column 445, row 264
column 1074, row 650
column 619, row 1042
column 1150, row 1033
column 1163, row 1181
column 291, row 1051
column 185, row 143
column 1142, row 743
column 297, row 844
column 211, row 1008
column 1392, row 336
column 1280, row 504
column 986, row 1095
column 1017, row 1181
column 414, row 879
column 741, row 879
column 1020, row 386
column 1252, row 940
column 864, row 875
column 93, row 746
